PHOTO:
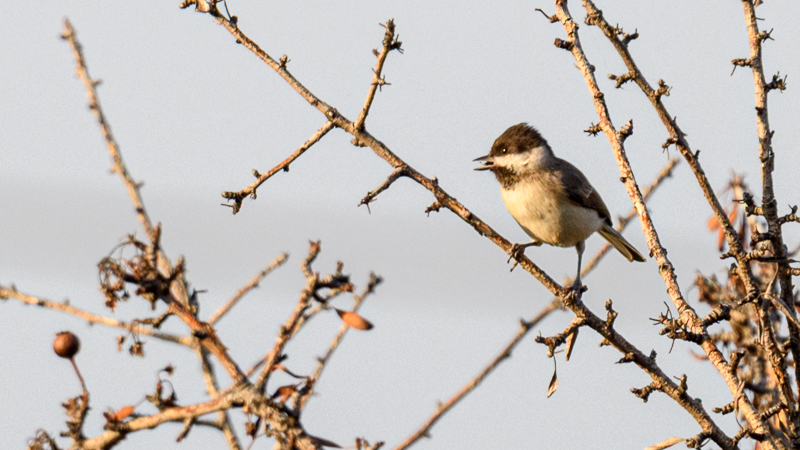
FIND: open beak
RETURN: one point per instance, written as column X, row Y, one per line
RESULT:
column 488, row 162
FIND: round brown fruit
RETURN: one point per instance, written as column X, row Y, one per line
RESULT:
column 66, row 344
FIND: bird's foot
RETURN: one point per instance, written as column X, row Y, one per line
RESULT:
column 578, row 287
column 573, row 293
column 517, row 252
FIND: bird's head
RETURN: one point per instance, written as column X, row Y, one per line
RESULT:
column 519, row 149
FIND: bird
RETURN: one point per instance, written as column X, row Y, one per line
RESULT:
column 549, row 198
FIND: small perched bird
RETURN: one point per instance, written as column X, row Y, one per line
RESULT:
column 548, row 197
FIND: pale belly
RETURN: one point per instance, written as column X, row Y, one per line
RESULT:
column 563, row 223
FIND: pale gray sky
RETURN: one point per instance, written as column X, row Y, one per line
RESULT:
column 194, row 114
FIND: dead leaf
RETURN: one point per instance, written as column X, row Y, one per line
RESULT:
column 119, row 416
column 124, row 412
column 666, row 443
column 553, row 384
column 353, row 320
column 284, row 392
column 713, row 223
column 571, row 343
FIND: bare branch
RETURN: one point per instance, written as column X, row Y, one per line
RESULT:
column 113, row 149
column 390, row 43
column 370, row 197
column 374, row 281
column 250, row 190
column 769, row 206
column 6, row 293
column 245, row 395
column 656, row 249
column 469, row 387
column 363, row 137
column 677, row 137
column 277, row 262
column 291, row 325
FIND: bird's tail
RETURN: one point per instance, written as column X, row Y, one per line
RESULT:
column 619, row 243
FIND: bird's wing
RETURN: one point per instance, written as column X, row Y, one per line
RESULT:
column 579, row 190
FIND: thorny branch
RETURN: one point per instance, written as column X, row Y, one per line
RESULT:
column 155, row 278
column 595, row 17
column 769, row 205
column 6, row 293
column 362, row 137
column 687, row 313
column 167, row 283
column 239, row 196
column 676, row 135
column 555, row 304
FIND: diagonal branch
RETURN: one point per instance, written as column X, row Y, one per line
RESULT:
column 469, row 387
column 178, row 299
column 554, row 305
column 370, row 197
column 666, row 269
column 113, row 149
column 374, row 281
column 239, row 196
column 277, row 262
column 6, row 293
column 291, row 326
column 364, row 138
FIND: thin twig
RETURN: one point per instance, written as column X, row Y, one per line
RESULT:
column 277, row 262
column 371, row 195
column 212, row 388
column 290, row 327
column 389, row 44
column 6, row 293
column 364, row 138
column 250, row 190
column 179, row 298
column 113, row 149
column 469, row 387
column 322, row 361
column 554, row 305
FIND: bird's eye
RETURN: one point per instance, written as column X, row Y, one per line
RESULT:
column 504, row 151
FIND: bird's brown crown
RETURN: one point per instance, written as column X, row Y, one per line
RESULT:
column 517, row 139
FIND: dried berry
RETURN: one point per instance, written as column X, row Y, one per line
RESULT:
column 66, row 344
